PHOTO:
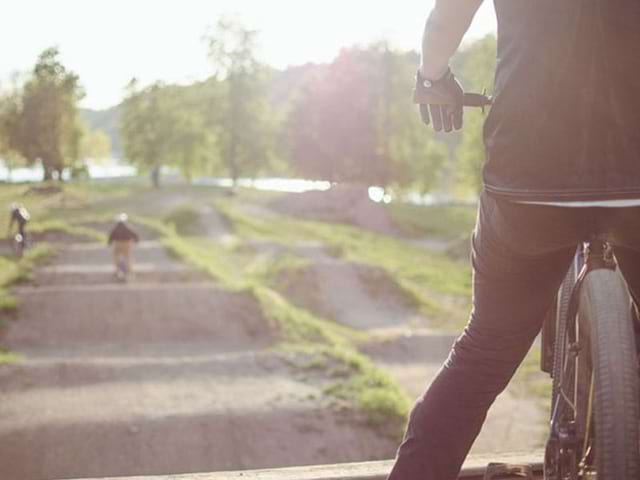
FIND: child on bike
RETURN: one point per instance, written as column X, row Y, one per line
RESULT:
column 20, row 217
column 122, row 237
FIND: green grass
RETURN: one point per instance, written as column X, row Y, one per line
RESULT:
column 184, row 219
column 7, row 358
column 14, row 271
column 372, row 389
column 445, row 222
column 439, row 286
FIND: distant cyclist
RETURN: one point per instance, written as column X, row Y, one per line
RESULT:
column 122, row 237
column 19, row 217
column 562, row 149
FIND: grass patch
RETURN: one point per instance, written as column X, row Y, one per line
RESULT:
column 184, row 219
column 7, row 358
column 14, row 271
column 439, row 286
column 371, row 389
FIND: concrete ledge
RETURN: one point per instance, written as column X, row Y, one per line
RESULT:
column 474, row 469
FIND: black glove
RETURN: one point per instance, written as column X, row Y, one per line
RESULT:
column 440, row 101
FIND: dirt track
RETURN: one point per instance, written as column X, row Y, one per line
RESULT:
column 171, row 374
column 167, row 374
column 365, row 298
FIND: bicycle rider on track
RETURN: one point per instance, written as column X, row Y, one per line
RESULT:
column 122, row 237
column 20, row 217
column 562, row 164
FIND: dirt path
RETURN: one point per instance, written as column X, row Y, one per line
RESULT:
column 166, row 374
column 365, row 298
column 517, row 421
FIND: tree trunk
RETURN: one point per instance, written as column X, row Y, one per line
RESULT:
column 48, row 174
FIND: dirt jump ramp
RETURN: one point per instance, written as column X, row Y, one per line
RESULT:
column 137, row 315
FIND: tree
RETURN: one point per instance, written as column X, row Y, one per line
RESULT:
column 94, row 144
column 192, row 143
column 333, row 124
column 415, row 157
column 353, row 121
column 9, row 111
column 144, row 130
column 242, row 113
column 167, row 126
column 46, row 127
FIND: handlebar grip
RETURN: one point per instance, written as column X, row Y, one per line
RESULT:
column 476, row 100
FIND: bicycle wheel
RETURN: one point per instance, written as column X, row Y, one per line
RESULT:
column 18, row 245
column 604, row 307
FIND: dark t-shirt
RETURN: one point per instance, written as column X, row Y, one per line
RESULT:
column 566, row 119
column 122, row 233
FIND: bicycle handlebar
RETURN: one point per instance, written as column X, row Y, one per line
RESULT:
column 476, row 100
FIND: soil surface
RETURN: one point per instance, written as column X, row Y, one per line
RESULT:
column 366, row 298
column 169, row 373
column 517, row 422
column 165, row 374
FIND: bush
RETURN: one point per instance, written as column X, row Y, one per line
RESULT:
column 185, row 220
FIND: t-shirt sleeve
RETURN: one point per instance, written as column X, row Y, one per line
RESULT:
column 448, row 22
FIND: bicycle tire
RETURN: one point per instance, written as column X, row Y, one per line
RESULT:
column 604, row 307
column 560, row 345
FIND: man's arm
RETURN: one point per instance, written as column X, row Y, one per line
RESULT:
column 447, row 24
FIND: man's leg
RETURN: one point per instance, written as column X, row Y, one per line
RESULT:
column 517, row 271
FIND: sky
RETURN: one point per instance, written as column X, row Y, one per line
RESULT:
column 108, row 42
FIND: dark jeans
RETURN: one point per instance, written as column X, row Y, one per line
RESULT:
column 521, row 254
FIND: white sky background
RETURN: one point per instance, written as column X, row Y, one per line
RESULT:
column 107, row 42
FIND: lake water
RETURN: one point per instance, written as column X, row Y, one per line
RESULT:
column 116, row 170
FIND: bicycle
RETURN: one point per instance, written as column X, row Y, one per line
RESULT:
column 589, row 348
column 18, row 245
column 122, row 270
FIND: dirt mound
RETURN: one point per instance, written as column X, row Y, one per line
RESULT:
column 340, row 204
column 418, row 347
column 171, row 415
column 144, row 232
column 58, row 237
column 138, row 314
column 222, row 441
column 71, row 274
column 356, row 295
column 101, row 254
